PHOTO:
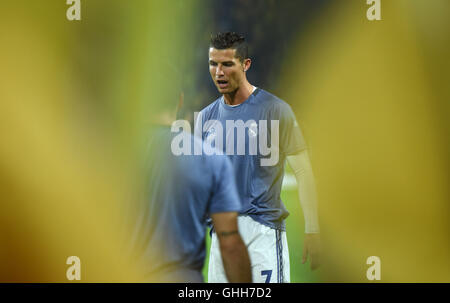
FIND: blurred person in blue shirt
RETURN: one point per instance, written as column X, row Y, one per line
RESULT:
column 180, row 192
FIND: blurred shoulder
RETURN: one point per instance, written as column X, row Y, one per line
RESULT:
column 273, row 102
column 211, row 107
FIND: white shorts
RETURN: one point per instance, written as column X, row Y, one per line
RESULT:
column 267, row 248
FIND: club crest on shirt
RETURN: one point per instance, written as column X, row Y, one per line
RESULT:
column 253, row 130
column 210, row 134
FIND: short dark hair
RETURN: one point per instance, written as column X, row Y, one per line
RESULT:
column 231, row 40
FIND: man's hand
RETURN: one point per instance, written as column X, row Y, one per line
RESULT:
column 311, row 248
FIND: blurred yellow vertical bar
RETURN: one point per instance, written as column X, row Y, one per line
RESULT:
column 73, row 96
column 376, row 119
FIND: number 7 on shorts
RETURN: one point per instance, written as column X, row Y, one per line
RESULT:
column 268, row 274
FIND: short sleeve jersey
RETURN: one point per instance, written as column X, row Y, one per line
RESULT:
column 259, row 186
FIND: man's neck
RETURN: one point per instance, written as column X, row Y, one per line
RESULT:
column 240, row 95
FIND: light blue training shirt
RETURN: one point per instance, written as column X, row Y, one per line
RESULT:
column 259, row 187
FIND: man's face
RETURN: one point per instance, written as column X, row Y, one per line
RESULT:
column 226, row 70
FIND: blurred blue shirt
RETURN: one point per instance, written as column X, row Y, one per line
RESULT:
column 182, row 191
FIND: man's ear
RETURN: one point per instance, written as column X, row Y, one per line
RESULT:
column 246, row 64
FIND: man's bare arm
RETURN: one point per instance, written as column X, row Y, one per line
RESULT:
column 234, row 253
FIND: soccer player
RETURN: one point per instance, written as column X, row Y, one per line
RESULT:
column 170, row 219
column 261, row 222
